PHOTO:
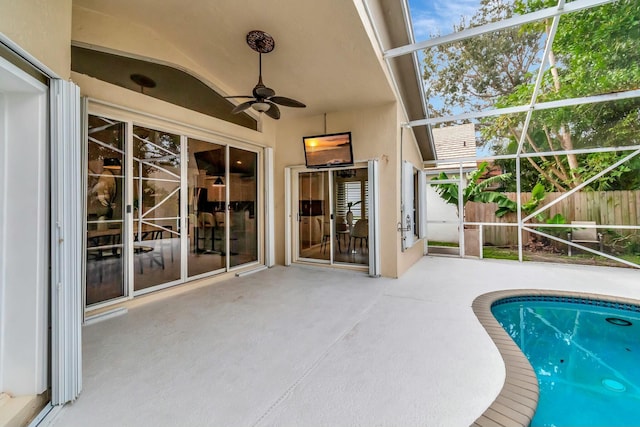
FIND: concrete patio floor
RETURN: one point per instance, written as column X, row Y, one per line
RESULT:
column 304, row 346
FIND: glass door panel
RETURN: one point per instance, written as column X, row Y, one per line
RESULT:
column 206, row 172
column 243, row 235
column 220, row 216
column 351, row 220
column 314, row 229
column 156, row 207
column 105, row 201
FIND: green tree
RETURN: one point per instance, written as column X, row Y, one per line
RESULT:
column 595, row 51
column 476, row 72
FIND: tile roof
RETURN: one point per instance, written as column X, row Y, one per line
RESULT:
column 455, row 142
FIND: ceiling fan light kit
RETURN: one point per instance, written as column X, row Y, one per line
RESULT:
column 260, row 106
column 263, row 98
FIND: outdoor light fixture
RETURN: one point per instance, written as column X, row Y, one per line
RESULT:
column 143, row 81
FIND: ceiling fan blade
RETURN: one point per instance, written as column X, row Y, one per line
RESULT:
column 241, row 107
column 273, row 111
column 287, row 102
column 239, row 96
column 263, row 91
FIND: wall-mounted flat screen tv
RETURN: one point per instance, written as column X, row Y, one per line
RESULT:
column 327, row 151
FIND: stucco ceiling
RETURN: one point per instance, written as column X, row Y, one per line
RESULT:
column 323, row 55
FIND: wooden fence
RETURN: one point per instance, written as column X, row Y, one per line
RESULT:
column 603, row 207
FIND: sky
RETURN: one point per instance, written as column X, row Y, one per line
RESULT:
column 437, row 17
column 432, row 17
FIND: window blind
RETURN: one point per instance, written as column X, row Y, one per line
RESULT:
column 352, row 192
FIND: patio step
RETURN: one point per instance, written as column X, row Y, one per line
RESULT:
column 17, row 411
column 444, row 250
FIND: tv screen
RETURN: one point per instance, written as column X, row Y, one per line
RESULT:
column 325, row 151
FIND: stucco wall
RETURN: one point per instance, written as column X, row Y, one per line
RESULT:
column 407, row 148
column 99, row 90
column 374, row 137
column 375, row 130
column 441, row 211
column 104, row 31
column 42, row 28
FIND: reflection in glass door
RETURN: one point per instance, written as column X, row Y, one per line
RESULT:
column 156, row 207
column 314, row 228
column 351, row 201
column 333, row 220
column 222, row 207
column 182, row 221
column 243, row 189
column 105, row 201
column 206, row 175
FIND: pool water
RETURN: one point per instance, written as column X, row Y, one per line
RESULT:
column 586, row 355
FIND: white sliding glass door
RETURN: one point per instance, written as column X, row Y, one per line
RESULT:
column 163, row 208
column 105, row 210
column 332, row 216
column 156, row 177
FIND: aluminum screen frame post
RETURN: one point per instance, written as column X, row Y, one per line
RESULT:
column 66, row 243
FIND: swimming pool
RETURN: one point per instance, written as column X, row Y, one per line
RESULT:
column 586, row 356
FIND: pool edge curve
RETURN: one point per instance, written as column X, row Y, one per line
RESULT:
column 517, row 401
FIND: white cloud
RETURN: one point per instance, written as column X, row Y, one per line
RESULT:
column 438, row 17
column 424, row 26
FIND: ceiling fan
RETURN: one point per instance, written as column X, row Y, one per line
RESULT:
column 264, row 98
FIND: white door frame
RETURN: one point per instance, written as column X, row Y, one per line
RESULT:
column 59, row 247
column 135, row 118
column 292, row 239
column 25, row 167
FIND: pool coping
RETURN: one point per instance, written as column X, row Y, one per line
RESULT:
column 516, row 403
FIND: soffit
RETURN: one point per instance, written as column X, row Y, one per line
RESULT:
column 391, row 19
column 323, row 55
